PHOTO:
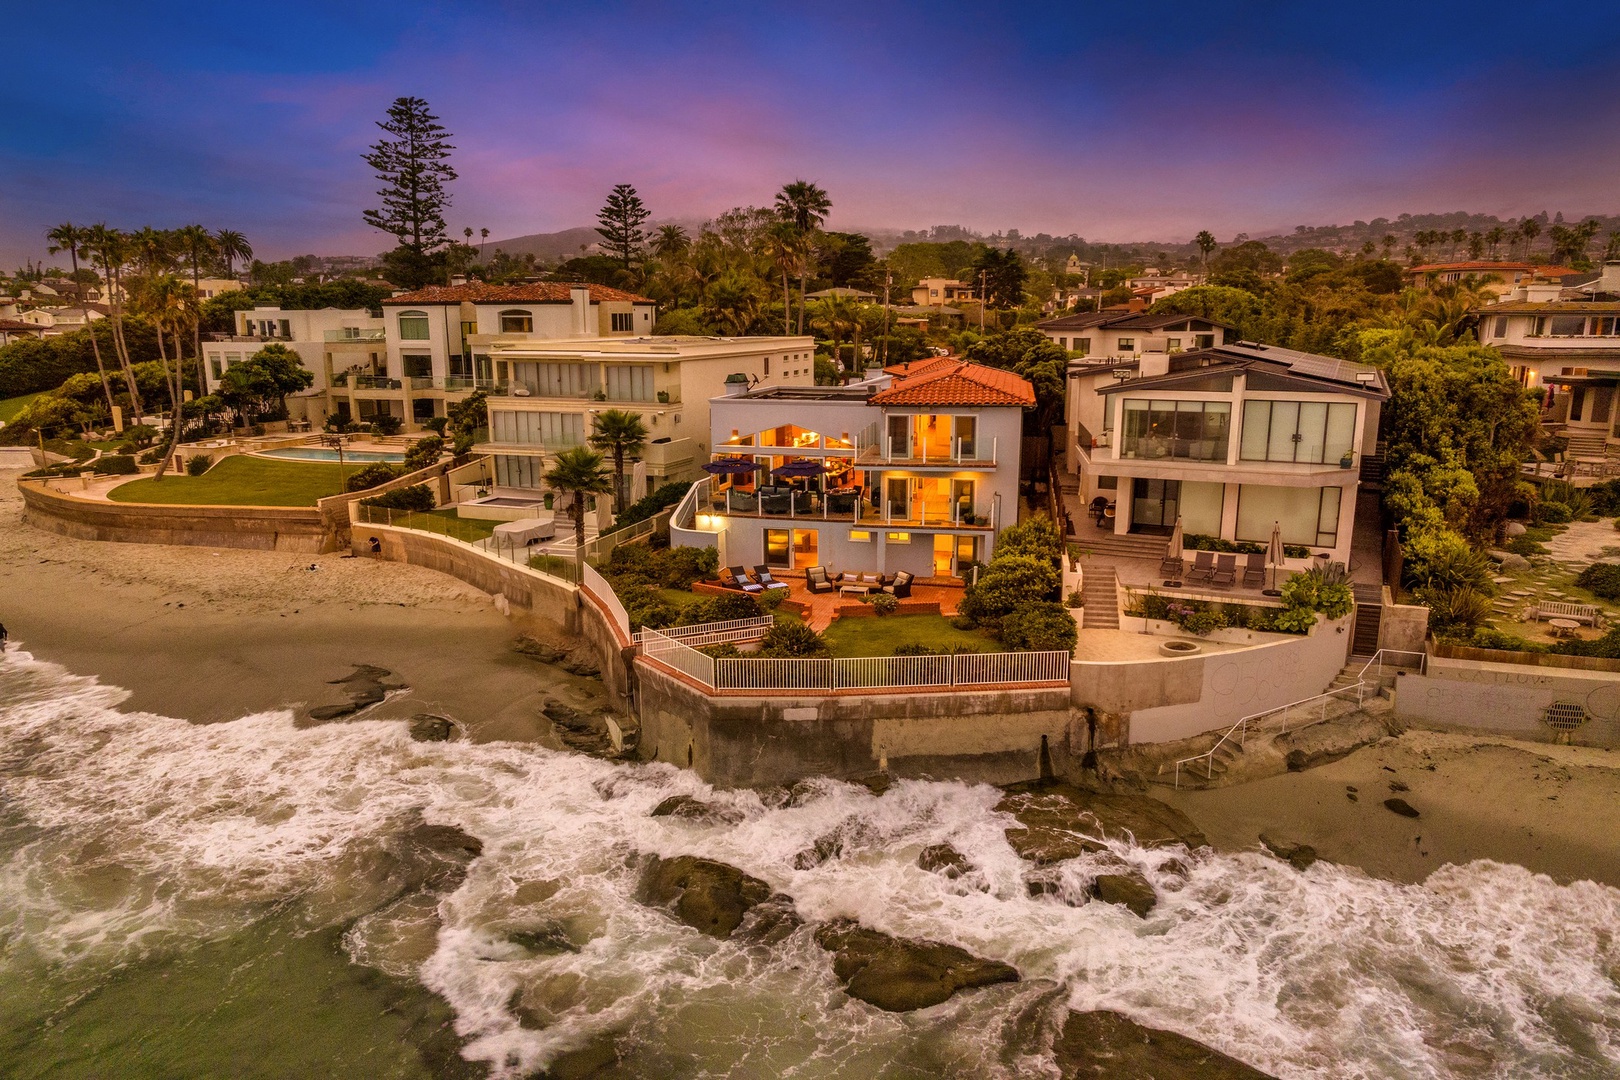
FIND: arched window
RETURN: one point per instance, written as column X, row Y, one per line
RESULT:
column 413, row 326
column 517, row 322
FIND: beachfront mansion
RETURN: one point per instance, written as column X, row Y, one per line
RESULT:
column 549, row 356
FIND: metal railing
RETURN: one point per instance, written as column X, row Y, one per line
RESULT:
column 1378, row 662
column 475, row 534
column 805, row 674
column 1241, row 728
column 715, row 633
column 801, row 505
column 598, row 586
column 903, row 452
column 353, row 333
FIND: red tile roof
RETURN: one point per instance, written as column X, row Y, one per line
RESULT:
column 917, row 367
column 539, row 292
column 958, row 383
column 1494, row 267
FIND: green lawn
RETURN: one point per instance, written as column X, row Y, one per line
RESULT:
column 445, row 523
column 10, row 407
column 880, row 635
column 242, row 480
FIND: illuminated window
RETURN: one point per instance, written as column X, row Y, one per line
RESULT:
column 899, row 538
column 860, row 536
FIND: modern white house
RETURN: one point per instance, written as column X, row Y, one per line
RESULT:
column 1230, row 439
column 545, row 393
column 332, row 343
column 903, row 471
column 1566, row 344
column 1105, row 335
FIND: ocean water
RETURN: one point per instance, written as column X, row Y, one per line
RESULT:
column 242, row 899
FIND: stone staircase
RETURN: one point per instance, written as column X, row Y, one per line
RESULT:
column 1099, row 591
column 1586, row 446
column 1369, row 617
column 1094, row 541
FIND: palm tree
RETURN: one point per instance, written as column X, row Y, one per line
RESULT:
column 1389, row 244
column 196, row 243
column 171, row 304
column 232, row 246
column 580, row 472
column 806, row 206
column 1529, row 228
column 835, row 315
column 1206, row 244
column 111, row 248
column 72, row 239
column 483, row 238
column 622, row 433
column 781, row 246
column 1494, row 238
column 670, row 241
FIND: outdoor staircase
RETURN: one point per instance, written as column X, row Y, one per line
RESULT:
column 1586, row 446
column 1207, row 773
column 1093, row 541
column 1099, row 591
column 1372, row 471
column 1369, row 615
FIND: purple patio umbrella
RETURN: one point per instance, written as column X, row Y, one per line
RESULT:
column 802, row 467
column 730, row 467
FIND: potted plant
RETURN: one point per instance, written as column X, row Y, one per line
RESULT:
column 1348, row 460
column 663, row 397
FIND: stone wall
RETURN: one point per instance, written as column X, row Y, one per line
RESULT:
column 1158, row 700
column 1510, row 699
column 262, row 528
column 559, row 604
column 1404, row 627
column 985, row 736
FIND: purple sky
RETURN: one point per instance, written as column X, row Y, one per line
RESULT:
column 1112, row 122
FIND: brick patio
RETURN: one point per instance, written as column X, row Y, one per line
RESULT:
column 928, row 596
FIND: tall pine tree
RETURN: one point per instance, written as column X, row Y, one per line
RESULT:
column 621, row 220
column 413, row 165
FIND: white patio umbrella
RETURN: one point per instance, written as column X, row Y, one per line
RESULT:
column 1274, row 551
column 1172, row 550
column 638, row 480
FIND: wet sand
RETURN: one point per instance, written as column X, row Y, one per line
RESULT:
column 1552, row 809
column 212, row 635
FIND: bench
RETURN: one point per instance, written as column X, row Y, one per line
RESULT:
column 1581, row 613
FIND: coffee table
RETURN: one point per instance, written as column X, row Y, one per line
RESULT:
column 1563, row 627
column 856, row 589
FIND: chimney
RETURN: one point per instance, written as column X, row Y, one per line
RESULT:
column 1609, row 282
column 580, row 297
column 1153, row 364
column 458, row 279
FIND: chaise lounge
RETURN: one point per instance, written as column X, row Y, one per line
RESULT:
column 1225, row 575
column 735, row 577
column 1254, row 571
column 762, row 575
column 1203, row 568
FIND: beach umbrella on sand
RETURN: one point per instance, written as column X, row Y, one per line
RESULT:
column 1274, row 551
column 1172, row 550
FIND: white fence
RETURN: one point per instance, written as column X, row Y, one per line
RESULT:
column 597, row 585
column 716, row 633
column 798, row 675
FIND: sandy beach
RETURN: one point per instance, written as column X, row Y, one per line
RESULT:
column 210, row 635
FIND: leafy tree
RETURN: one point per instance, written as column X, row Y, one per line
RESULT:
column 259, row 385
column 423, row 452
column 1007, row 585
column 1244, row 262
column 621, row 219
column 1004, row 275
column 1038, row 538
column 413, row 165
column 1039, row 626
column 622, row 434
column 579, row 472
column 847, row 260
column 1030, row 353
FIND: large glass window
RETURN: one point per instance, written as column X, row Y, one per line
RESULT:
column 1201, row 507
column 417, row 366
column 1190, row 430
column 537, row 428
column 513, row 471
column 517, row 322
column 1305, row 431
column 627, row 382
column 1308, row 516
column 555, row 380
column 1566, row 325
column 413, row 326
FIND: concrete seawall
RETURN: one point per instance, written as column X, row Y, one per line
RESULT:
column 993, row 736
column 563, row 606
column 258, row 528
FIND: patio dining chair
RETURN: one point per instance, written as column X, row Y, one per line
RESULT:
column 1203, row 568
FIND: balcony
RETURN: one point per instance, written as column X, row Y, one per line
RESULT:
column 667, row 457
column 352, row 333
column 1160, row 447
column 373, row 382
column 846, row 506
column 943, row 453
column 458, row 384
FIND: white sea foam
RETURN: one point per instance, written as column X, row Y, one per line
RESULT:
column 124, row 832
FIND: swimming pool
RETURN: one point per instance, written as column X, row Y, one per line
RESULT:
column 316, row 453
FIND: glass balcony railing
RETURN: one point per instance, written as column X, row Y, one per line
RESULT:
column 1173, row 447
column 353, row 333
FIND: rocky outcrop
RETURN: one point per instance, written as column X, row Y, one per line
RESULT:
column 900, row 974
column 1401, row 807
column 690, row 809
column 1128, row 889
column 365, row 688
column 585, row 732
column 1061, row 821
column 715, row 898
column 1296, row 854
column 944, row 860
column 828, row 846
column 426, row 727
column 1109, row 1046
column 578, row 660
column 1320, row 744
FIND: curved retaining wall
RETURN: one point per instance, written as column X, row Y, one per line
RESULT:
column 573, row 610
column 261, row 528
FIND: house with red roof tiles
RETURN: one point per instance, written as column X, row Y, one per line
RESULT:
column 914, row 469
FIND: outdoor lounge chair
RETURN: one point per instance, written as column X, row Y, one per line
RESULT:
column 762, row 574
column 1225, row 575
column 815, row 579
column 901, row 588
column 1254, row 571
column 1170, row 567
column 1203, row 568
column 735, row 577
